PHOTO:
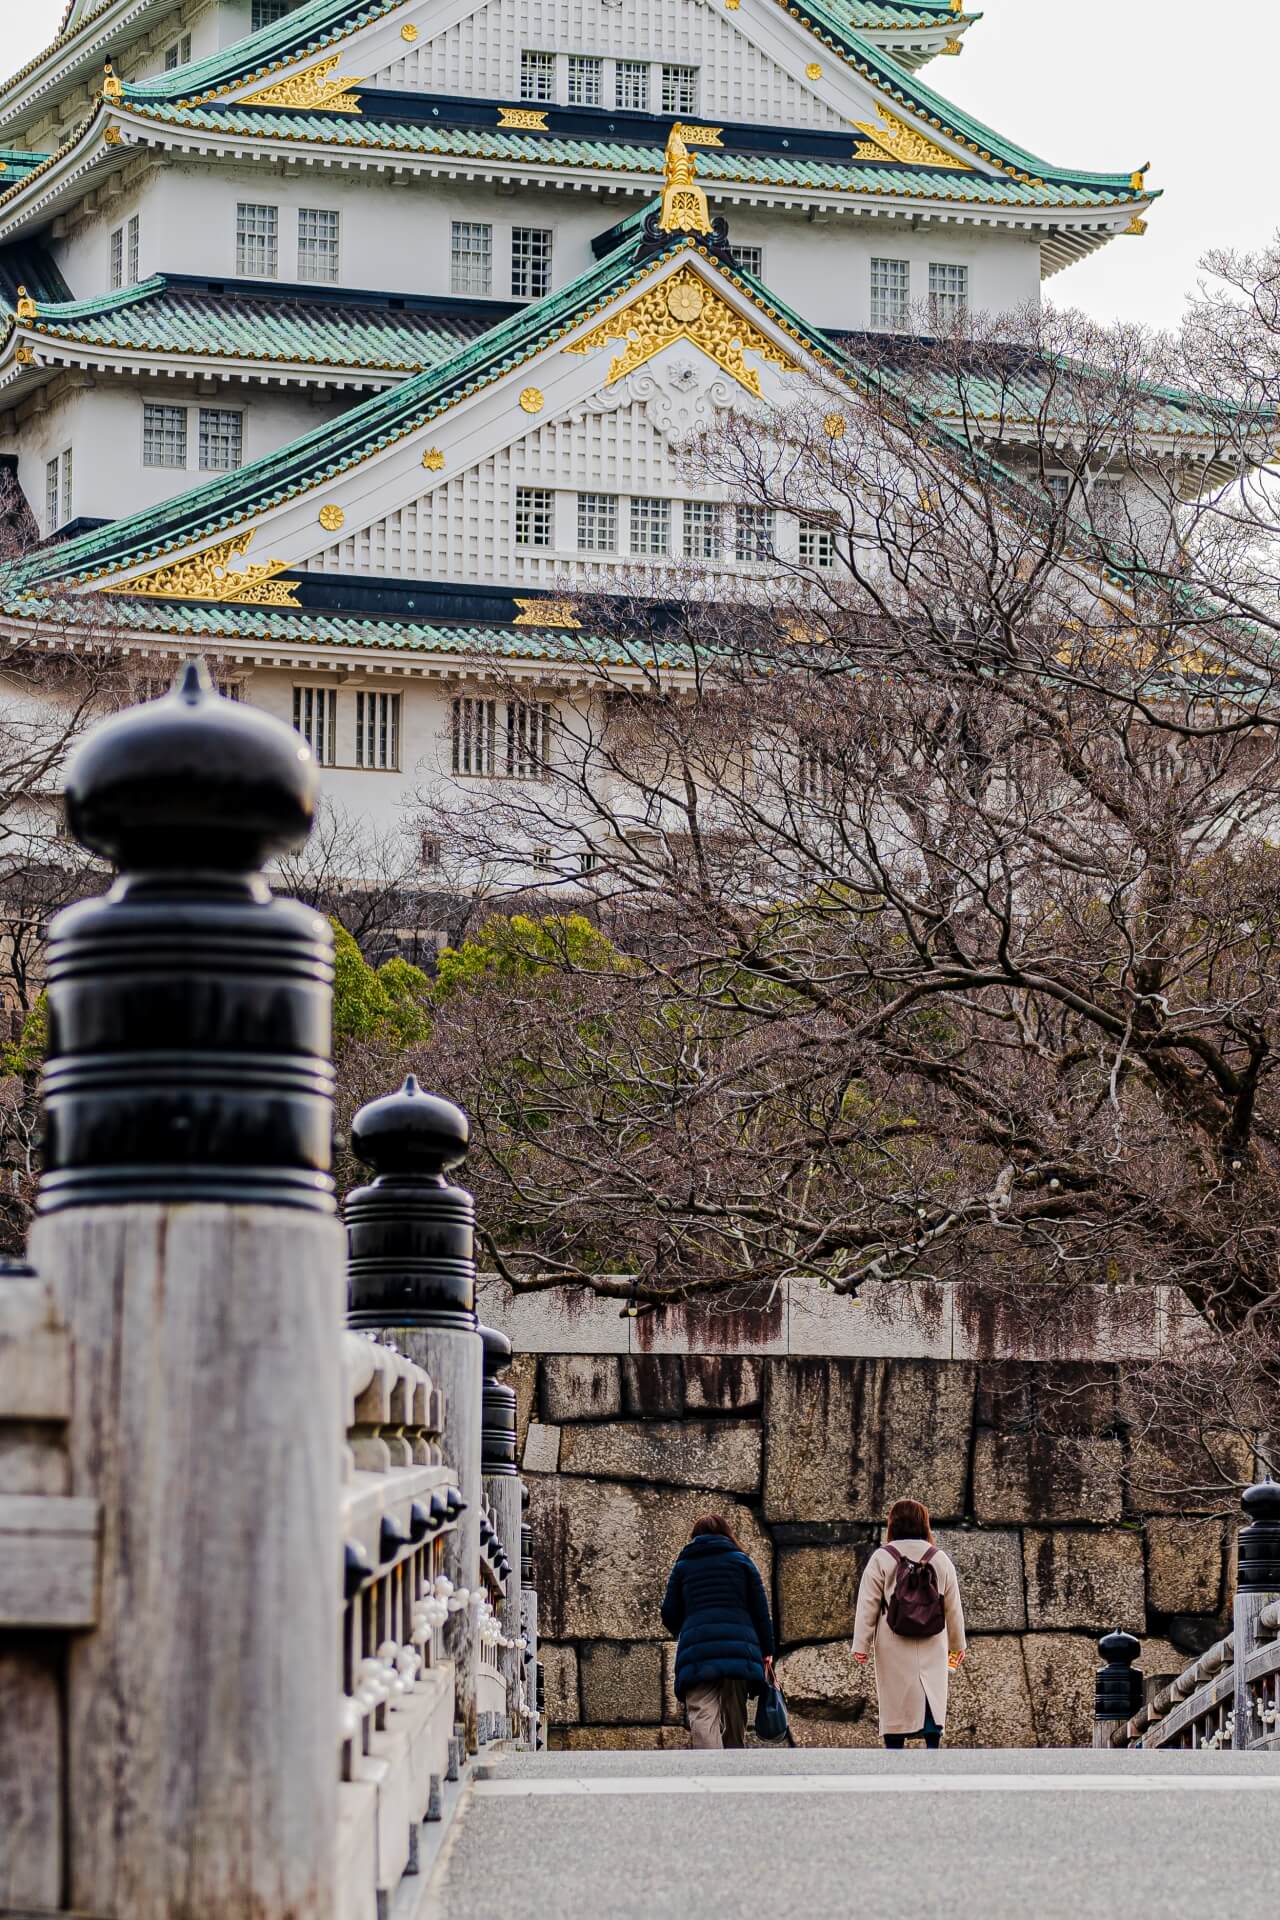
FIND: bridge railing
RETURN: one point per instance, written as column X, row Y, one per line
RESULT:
column 1226, row 1700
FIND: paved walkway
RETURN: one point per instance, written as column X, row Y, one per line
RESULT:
column 820, row 1834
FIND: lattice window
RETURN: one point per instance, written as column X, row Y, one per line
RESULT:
column 52, row 495
column 267, row 12
column 750, row 259
column 948, row 291
column 507, row 737
column 890, row 293
column 631, row 86
column 66, row 486
column 537, row 76
column 164, row 436
column 317, row 244
column 178, row 54
column 650, row 525
column 257, row 241
column 221, row 439
column 431, row 853
column 598, row 522
column 530, row 262
column 315, row 717
column 679, row 89
column 752, row 534
column 541, row 859
column 378, row 730
column 475, row 737
column 817, row 545
column 133, row 252
column 535, row 516
column 117, row 259
column 586, row 80
column 528, row 738
column 702, row 529
column 471, row 257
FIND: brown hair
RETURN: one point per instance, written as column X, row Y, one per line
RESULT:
column 712, row 1523
column 909, row 1520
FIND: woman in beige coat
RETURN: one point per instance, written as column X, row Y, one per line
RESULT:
column 911, row 1674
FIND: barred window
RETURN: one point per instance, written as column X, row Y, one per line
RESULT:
column 750, row 259
column 117, row 259
column 66, row 487
column 752, row 534
column 431, row 851
column 178, row 54
column 588, row 860
column 948, row 291
column 679, row 89
column 378, row 730
column 471, row 257
column 890, row 293
column 813, row 773
column 650, row 525
column 317, row 244
column 541, row 858
column 537, row 76
column 221, row 439
column 530, row 262
column 702, row 528
column 586, row 80
column 267, row 12
column 475, row 737
column 535, row 516
column 631, row 86
column 598, row 522
column 257, row 240
column 164, row 436
column 817, row 545
column 528, row 738
column 133, row 253
column 315, row 717
column 52, row 495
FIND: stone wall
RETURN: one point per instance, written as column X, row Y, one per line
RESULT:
column 1040, row 1486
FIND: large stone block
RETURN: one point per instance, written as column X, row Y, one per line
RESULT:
column 603, row 1550
column 908, row 1319
column 844, row 1734
column 541, row 1449
column 722, row 1383
column 621, row 1683
column 1085, row 1579
column 1064, row 1397
column 721, row 1455
column 846, row 1437
column 522, row 1377
column 560, row 1684
column 580, row 1386
column 618, row 1740
column 989, row 1568
column 1060, row 1673
column 989, row 1701
column 1042, row 1476
column 653, row 1386
column 825, row 1683
column 672, row 1706
column 1006, row 1320
column 1186, row 1561
column 1184, row 1469
column 816, row 1592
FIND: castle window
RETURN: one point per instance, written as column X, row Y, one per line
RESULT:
column 702, row 526
column 178, row 54
column 117, row 259
column 57, row 491
column 598, row 522
column 631, row 86
column 317, row 244
column 471, row 257
column 528, row 738
column 537, row 76
column 535, row 516
column 315, row 717
column 890, row 294
column 650, row 525
column 948, row 292
column 164, row 436
column 679, row 89
column 752, row 534
column 133, row 252
column 257, row 241
column 750, row 259
column 817, row 545
column 586, row 80
column 530, row 262
column 475, row 737
column 378, row 730
column 266, row 12
column 221, row 439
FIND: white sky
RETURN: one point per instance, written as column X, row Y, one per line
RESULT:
column 1100, row 84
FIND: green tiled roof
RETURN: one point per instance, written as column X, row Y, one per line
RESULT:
column 159, row 316
column 715, row 165
column 16, row 163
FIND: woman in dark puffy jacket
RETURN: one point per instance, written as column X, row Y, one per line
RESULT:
column 715, row 1603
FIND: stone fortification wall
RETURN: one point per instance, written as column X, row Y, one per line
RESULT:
column 1020, row 1433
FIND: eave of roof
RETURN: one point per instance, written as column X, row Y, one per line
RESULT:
column 74, row 55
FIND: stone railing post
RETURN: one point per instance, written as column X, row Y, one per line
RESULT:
column 187, row 1229
column 1257, row 1585
column 1117, row 1690
column 412, row 1271
column 502, row 1488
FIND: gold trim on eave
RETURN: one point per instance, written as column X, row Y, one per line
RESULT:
column 531, row 119
column 208, row 576
column 684, row 307
column 897, row 141
column 311, row 88
column 545, row 613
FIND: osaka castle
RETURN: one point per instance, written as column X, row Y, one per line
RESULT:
column 341, row 339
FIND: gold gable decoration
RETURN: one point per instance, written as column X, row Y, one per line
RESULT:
column 546, row 613
column 315, row 87
column 684, row 307
column 684, row 204
column 208, row 576
column 699, row 136
column 897, row 141
column 531, row 119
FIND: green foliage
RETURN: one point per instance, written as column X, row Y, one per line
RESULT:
column 26, row 1054
column 520, row 947
column 387, row 1005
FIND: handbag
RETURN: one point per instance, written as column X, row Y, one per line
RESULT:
column 771, row 1713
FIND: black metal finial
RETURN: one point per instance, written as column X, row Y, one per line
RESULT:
column 1117, row 1693
column 1259, row 1543
column 189, row 1011
column 498, row 1407
column 411, row 1234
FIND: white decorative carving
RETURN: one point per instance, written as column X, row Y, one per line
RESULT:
column 681, row 392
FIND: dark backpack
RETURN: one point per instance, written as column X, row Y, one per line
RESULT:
column 916, row 1610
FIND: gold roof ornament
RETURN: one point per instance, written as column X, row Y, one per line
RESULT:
column 546, row 613
column 332, row 518
column 314, row 87
column 1138, row 178
column 433, row 459
column 531, row 119
column 111, row 88
column 684, row 307
column 684, row 204
column 208, row 576
column 894, row 140
column 26, row 308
